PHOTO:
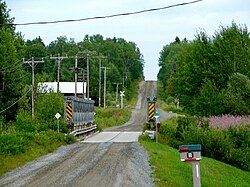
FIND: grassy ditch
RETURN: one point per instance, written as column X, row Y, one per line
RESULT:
column 110, row 117
column 170, row 171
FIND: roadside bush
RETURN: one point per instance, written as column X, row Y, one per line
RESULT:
column 145, row 137
column 48, row 137
column 228, row 145
column 11, row 144
column 70, row 139
column 24, row 122
column 217, row 144
column 170, row 100
column 240, row 136
column 47, row 106
column 192, row 135
column 173, row 108
column 167, row 133
column 183, row 124
column 241, row 158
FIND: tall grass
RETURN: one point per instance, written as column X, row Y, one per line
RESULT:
column 110, row 117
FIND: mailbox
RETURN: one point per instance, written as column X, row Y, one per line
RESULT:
column 190, row 152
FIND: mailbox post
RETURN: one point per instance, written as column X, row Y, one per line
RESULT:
column 192, row 154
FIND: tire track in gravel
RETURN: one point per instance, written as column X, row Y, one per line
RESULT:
column 69, row 169
column 118, row 167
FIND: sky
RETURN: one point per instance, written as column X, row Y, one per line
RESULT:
column 150, row 31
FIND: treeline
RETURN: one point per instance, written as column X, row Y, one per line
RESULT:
column 122, row 58
column 209, row 75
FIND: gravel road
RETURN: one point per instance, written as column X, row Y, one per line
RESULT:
column 117, row 159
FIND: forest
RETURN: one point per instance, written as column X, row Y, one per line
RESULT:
column 209, row 75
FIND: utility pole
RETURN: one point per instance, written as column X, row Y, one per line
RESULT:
column 124, row 78
column 88, row 75
column 83, row 79
column 32, row 64
column 104, row 90
column 76, row 71
column 100, row 79
column 87, row 58
column 58, row 60
column 116, row 94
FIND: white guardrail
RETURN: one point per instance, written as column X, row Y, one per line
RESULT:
column 86, row 130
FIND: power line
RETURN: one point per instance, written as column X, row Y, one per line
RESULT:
column 104, row 17
column 15, row 102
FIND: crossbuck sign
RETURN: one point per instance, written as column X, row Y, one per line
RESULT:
column 122, row 95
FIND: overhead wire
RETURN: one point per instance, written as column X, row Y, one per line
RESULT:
column 15, row 102
column 105, row 17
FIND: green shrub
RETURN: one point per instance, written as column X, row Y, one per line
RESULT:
column 183, row 124
column 49, row 137
column 170, row 100
column 47, row 106
column 24, row 122
column 240, row 136
column 11, row 144
column 241, row 158
column 192, row 135
column 173, row 109
column 218, row 145
column 70, row 139
column 41, row 139
column 167, row 133
column 145, row 137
